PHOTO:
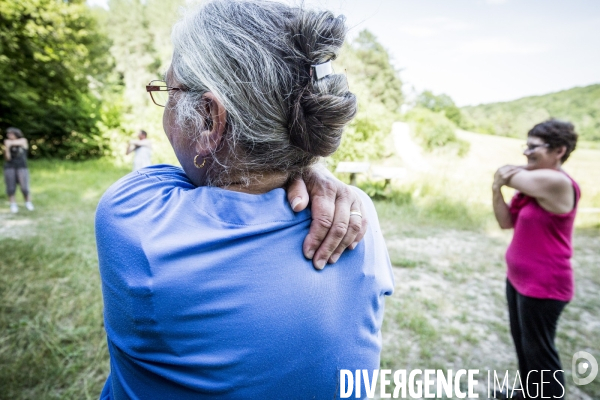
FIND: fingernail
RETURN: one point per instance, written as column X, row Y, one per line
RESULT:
column 295, row 202
column 334, row 258
column 320, row 264
column 310, row 254
column 353, row 245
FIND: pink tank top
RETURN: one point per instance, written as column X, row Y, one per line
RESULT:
column 539, row 255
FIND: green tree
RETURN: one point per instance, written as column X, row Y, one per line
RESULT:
column 378, row 87
column 52, row 63
column 377, row 71
column 434, row 130
column 136, row 59
column 442, row 103
column 141, row 47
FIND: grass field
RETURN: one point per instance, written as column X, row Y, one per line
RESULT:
column 448, row 310
column 52, row 342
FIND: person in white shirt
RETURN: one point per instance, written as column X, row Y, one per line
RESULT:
column 143, row 151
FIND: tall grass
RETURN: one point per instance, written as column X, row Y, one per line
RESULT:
column 52, row 342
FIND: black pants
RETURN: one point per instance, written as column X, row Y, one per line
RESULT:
column 533, row 327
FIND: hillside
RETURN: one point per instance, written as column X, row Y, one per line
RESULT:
column 580, row 105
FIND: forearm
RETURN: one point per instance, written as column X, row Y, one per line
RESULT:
column 6, row 151
column 16, row 142
column 130, row 148
column 501, row 210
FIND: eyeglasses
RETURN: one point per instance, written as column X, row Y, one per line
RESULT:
column 159, row 92
column 532, row 147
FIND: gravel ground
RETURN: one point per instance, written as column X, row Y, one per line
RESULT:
column 449, row 307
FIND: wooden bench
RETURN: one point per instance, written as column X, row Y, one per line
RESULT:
column 388, row 173
column 353, row 168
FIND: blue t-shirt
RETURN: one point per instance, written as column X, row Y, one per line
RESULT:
column 207, row 294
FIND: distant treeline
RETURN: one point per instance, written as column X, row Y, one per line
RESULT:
column 73, row 77
column 580, row 105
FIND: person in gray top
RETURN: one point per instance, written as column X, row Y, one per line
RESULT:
column 15, row 168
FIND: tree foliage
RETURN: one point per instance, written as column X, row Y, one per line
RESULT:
column 376, row 70
column 74, row 77
column 580, row 105
column 141, row 48
column 52, row 60
column 441, row 103
column 377, row 85
column 434, row 130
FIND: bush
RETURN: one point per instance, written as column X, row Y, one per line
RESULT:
column 377, row 85
column 378, row 190
column 52, row 60
column 433, row 130
column 441, row 103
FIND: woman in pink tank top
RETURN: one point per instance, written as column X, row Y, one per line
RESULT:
column 539, row 275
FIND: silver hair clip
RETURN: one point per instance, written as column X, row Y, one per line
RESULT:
column 323, row 70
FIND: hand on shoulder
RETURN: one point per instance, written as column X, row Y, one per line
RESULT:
column 339, row 218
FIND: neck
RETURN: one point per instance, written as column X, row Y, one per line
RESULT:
column 260, row 185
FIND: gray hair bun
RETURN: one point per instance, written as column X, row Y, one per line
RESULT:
column 320, row 108
column 256, row 57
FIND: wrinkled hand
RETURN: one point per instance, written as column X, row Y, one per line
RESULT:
column 503, row 175
column 332, row 229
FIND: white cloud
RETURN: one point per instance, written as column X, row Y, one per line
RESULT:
column 501, row 46
column 496, row 1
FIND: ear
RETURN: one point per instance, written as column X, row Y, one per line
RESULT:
column 560, row 151
column 216, row 125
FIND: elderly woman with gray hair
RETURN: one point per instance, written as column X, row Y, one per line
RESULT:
column 207, row 290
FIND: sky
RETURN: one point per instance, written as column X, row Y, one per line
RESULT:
column 481, row 51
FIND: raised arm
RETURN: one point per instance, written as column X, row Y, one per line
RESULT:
column 23, row 143
column 131, row 146
column 7, row 149
column 552, row 189
column 8, row 143
column 333, row 228
column 143, row 143
column 134, row 144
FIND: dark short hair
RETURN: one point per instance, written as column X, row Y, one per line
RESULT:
column 17, row 132
column 556, row 133
column 144, row 132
